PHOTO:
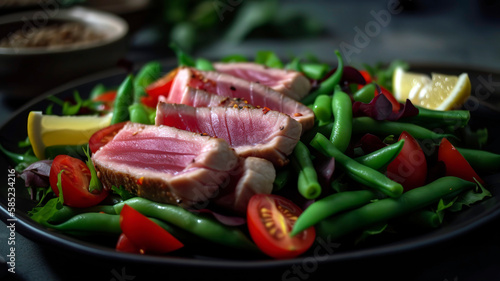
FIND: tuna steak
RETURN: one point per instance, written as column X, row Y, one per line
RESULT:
column 255, row 176
column 232, row 87
column 250, row 131
column 166, row 164
column 288, row 82
column 199, row 98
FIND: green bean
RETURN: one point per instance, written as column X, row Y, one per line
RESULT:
column 194, row 223
column 423, row 219
column 66, row 212
column 438, row 118
column 139, row 114
column 382, row 157
column 329, row 206
column 389, row 208
column 359, row 172
column 315, row 70
column 384, row 128
column 18, row 158
column 294, row 65
column 124, row 98
column 480, row 160
column 93, row 223
column 281, row 179
column 322, row 108
column 204, row 64
column 307, row 184
column 149, row 73
column 365, row 94
column 324, row 129
column 342, row 119
column 98, row 223
column 326, row 87
column 152, row 116
column 185, row 237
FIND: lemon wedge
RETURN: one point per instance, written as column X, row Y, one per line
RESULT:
column 48, row 130
column 438, row 92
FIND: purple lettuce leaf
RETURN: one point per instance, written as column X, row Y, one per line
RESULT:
column 325, row 169
column 349, row 75
column 370, row 143
column 37, row 174
column 380, row 108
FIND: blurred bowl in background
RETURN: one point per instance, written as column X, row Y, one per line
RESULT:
column 42, row 49
column 137, row 13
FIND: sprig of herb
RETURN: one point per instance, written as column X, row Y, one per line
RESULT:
column 95, row 183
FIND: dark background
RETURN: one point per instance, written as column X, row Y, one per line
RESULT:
column 463, row 34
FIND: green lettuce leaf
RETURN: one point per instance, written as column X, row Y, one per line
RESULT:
column 470, row 197
column 95, row 183
column 124, row 194
column 374, row 230
column 43, row 214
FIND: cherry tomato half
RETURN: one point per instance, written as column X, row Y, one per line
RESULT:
column 456, row 164
column 367, row 76
column 75, row 181
column 146, row 235
column 160, row 87
column 410, row 166
column 104, row 135
column 106, row 99
column 125, row 245
column 270, row 220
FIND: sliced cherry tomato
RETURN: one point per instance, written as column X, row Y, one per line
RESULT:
column 125, row 245
column 108, row 96
column 270, row 220
column 104, row 135
column 149, row 101
column 410, row 166
column 367, row 76
column 146, row 235
column 160, row 87
column 75, row 181
column 395, row 104
column 456, row 165
column 106, row 99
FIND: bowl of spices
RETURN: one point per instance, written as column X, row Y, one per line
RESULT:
column 42, row 49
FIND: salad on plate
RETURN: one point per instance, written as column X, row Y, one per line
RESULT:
column 260, row 157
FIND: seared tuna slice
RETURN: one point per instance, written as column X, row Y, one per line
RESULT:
column 250, row 131
column 254, row 176
column 288, row 82
column 232, row 87
column 165, row 164
column 199, row 98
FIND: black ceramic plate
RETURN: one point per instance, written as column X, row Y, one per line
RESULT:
column 484, row 109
